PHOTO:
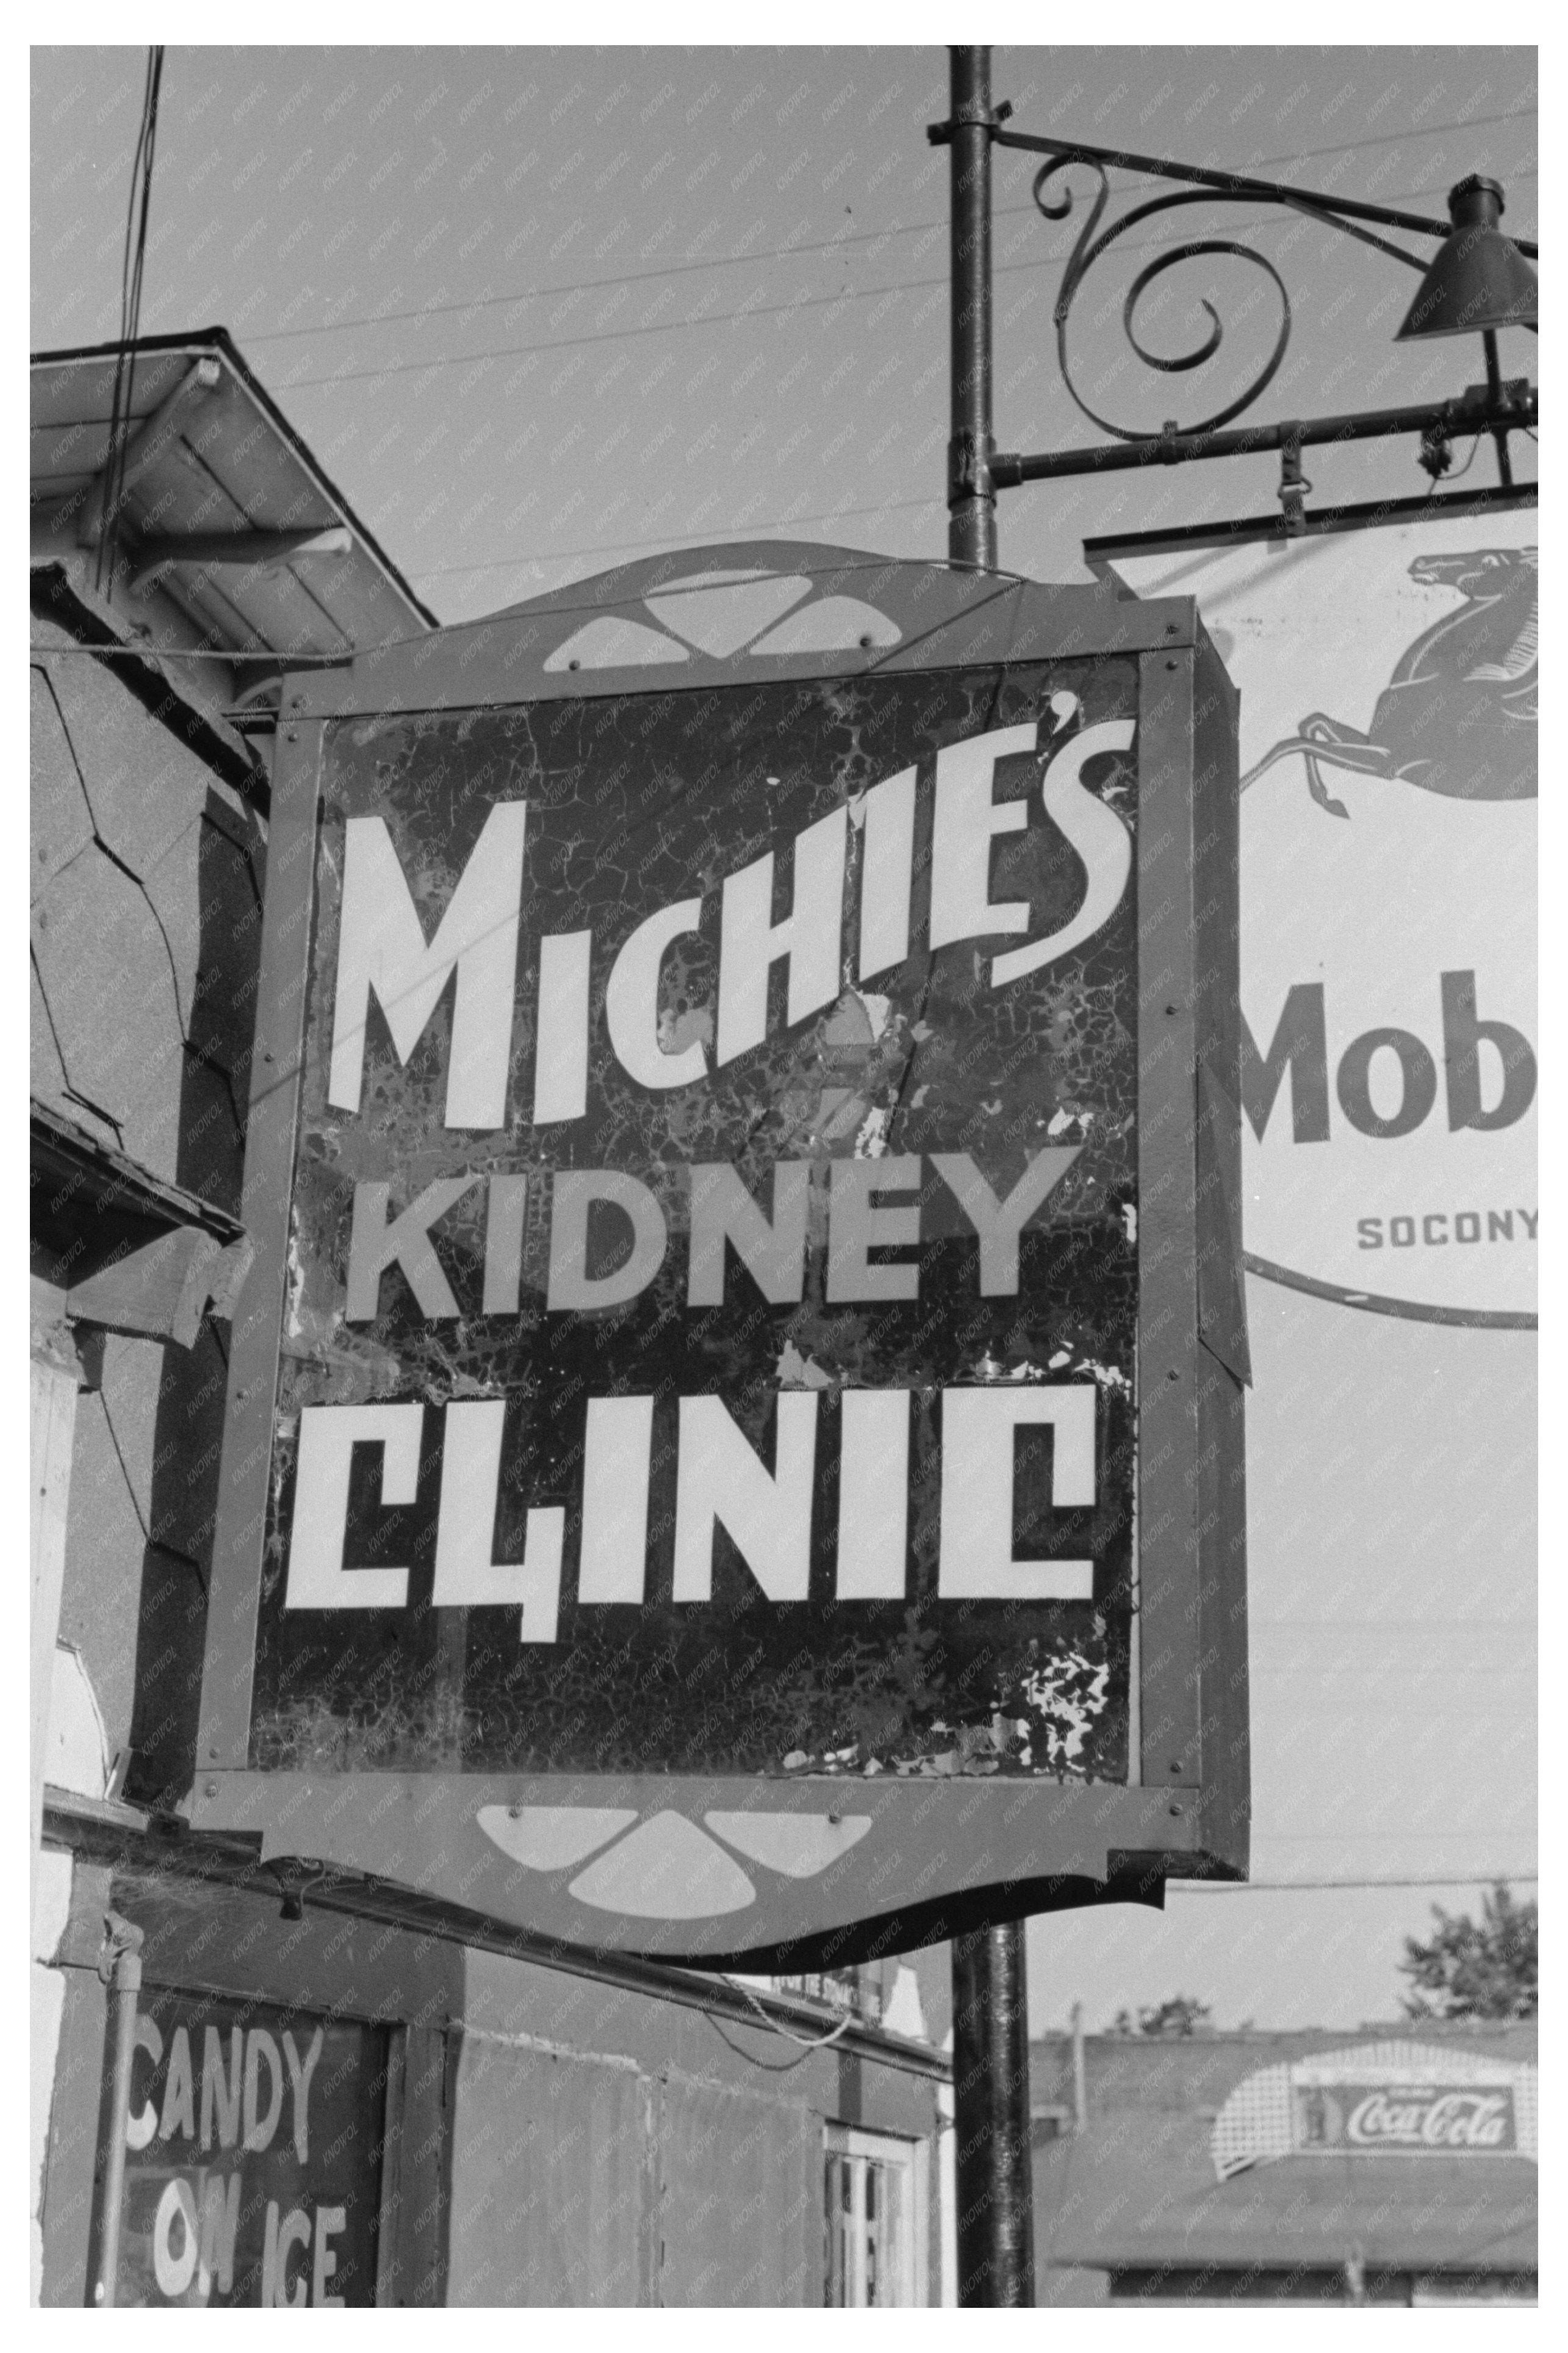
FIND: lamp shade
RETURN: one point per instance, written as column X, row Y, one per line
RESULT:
column 1480, row 278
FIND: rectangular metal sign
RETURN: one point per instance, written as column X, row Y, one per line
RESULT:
column 722, row 1150
column 253, row 2157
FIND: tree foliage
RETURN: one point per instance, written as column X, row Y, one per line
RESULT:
column 1179, row 2014
column 1468, row 1968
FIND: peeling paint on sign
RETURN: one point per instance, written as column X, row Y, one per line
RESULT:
column 716, row 1564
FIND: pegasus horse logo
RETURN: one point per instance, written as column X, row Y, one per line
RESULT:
column 1457, row 717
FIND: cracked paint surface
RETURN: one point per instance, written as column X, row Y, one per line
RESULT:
column 634, row 803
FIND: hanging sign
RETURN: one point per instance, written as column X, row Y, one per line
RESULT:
column 684, row 1457
column 1387, row 674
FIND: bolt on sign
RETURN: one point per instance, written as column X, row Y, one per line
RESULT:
column 734, row 1434
column 1387, row 667
column 252, row 2157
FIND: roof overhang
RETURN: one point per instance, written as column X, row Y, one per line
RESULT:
column 231, row 538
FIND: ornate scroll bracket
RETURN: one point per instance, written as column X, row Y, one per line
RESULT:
column 1497, row 408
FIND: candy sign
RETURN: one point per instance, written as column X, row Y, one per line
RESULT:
column 1388, row 746
column 253, row 2158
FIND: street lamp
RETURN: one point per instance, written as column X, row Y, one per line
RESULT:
column 1478, row 282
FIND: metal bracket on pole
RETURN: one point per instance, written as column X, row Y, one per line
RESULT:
column 1293, row 484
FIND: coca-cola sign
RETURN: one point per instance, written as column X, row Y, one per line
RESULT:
column 1393, row 2094
column 1396, row 2115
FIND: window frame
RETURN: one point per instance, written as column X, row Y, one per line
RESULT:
column 909, row 2159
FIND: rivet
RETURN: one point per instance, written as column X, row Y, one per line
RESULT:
column 1172, row 1376
column 1173, row 1810
column 211, row 1789
column 293, row 734
column 1172, row 663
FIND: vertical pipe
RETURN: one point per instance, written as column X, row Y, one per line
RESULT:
column 1080, row 2082
column 971, row 500
column 990, row 2007
column 123, row 1960
column 1494, row 397
column 990, row 2087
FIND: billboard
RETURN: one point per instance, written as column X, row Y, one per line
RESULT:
column 745, row 1076
column 1388, row 2098
column 1387, row 672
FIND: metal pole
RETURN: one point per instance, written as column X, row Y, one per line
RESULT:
column 971, row 501
column 990, row 2092
column 990, row 2007
column 121, row 1966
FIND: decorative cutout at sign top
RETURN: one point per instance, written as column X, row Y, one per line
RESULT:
column 723, row 613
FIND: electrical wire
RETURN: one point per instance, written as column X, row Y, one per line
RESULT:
column 1464, row 469
column 132, row 266
column 822, row 245
column 777, row 2026
column 808, row 2043
column 745, row 311
column 1320, row 1886
column 717, row 533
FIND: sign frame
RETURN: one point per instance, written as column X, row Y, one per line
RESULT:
column 1026, row 1846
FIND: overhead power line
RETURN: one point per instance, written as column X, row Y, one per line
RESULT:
column 821, row 244
column 1320, row 1886
column 766, row 529
column 130, row 269
column 748, row 526
column 746, row 310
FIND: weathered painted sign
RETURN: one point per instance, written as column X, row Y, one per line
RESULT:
column 1403, row 2115
column 1388, row 743
column 253, row 2157
column 692, row 1389
column 1379, row 2099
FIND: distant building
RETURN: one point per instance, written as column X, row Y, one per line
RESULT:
column 1390, row 2165
column 327, row 2104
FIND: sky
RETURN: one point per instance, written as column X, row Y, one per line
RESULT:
column 537, row 311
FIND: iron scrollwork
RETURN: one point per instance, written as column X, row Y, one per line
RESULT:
column 1091, row 245
column 1497, row 408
